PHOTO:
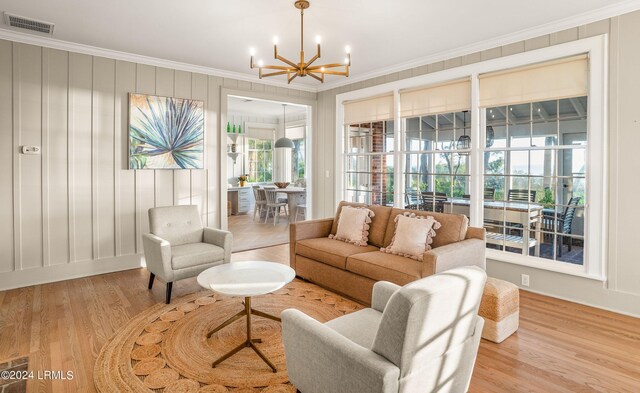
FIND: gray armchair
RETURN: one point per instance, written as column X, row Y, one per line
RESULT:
column 422, row 337
column 180, row 247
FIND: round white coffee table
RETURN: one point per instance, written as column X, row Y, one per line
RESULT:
column 246, row 279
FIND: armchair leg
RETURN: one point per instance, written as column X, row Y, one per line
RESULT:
column 151, row 278
column 169, row 286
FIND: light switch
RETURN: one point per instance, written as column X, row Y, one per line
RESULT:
column 30, row 150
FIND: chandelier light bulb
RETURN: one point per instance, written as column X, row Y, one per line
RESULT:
column 275, row 40
column 252, row 51
column 260, row 63
column 346, row 60
column 322, row 69
column 318, row 39
column 347, row 49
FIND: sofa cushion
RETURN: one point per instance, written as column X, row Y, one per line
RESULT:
column 378, row 225
column 329, row 251
column 353, row 225
column 380, row 266
column 453, row 227
column 413, row 236
column 195, row 254
column 334, row 227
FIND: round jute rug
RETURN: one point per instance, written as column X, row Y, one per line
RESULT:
column 165, row 348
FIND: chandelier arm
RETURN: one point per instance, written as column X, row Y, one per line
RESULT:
column 276, row 73
column 321, row 79
column 282, row 59
column 292, row 77
column 277, row 67
column 331, row 72
column 314, row 58
column 333, row 65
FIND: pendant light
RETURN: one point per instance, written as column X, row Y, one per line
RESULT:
column 464, row 142
column 284, row 142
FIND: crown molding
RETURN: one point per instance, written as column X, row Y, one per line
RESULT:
column 537, row 31
column 48, row 42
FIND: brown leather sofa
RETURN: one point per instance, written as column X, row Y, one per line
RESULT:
column 352, row 270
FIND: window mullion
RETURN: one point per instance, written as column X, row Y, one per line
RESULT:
column 476, row 162
column 398, row 152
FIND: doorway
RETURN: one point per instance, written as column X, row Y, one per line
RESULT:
column 267, row 176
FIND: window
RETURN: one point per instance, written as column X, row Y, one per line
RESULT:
column 436, row 168
column 370, row 162
column 518, row 144
column 536, row 163
column 298, row 154
column 260, row 160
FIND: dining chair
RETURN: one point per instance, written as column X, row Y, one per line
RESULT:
column 411, row 201
column 300, row 209
column 489, row 193
column 261, row 201
column 273, row 205
column 517, row 195
column 280, row 199
column 565, row 221
column 433, row 201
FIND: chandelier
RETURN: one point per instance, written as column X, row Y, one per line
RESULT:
column 302, row 68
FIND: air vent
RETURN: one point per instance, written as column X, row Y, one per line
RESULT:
column 22, row 22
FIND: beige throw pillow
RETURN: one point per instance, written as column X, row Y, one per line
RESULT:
column 413, row 235
column 353, row 225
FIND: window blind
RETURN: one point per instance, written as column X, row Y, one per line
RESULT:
column 442, row 98
column 368, row 110
column 562, row 78
column 261, row 133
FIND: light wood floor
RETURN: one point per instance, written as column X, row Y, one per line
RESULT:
column 249, row 234
column 560, row 347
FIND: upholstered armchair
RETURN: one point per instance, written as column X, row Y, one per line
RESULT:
column 422, row 337
column 180, row 247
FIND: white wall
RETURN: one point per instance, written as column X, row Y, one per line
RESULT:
column 76, row 209
column 622, row 290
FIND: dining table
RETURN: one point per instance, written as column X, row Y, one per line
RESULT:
column 523, row 213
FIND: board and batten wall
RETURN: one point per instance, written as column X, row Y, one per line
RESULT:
column 75, row 209
column 621, row 292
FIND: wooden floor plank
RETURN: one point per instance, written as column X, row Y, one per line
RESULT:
column 560, row 346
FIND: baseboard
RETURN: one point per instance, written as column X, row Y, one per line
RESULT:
column 67, row 271
column 584, row 303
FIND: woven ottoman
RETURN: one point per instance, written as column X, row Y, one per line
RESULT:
column 500, row 308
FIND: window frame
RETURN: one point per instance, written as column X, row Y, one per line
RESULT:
column 596, row 216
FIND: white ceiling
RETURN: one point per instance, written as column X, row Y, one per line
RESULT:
column 217, row 34
column 244, row 106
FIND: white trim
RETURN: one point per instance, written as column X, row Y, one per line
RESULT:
column 340, row 150
column 312, row 105
column 541, row 263
column 48, row 42
column 585, row 18
column 595, row 226
column 68, row 271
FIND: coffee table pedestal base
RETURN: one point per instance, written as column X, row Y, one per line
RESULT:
column 250, row 342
